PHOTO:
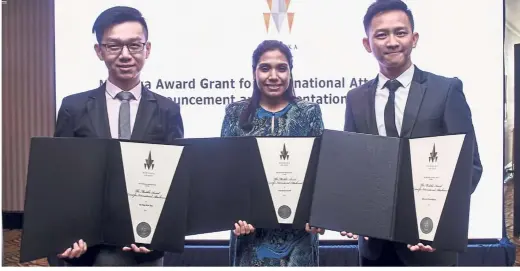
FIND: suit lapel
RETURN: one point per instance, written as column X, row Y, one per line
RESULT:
column 371, row 108
column 97, row 111
column 147, row 107
column 413, row 103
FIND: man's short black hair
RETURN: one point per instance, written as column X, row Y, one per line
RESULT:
column 117, row 15
column 386, row 5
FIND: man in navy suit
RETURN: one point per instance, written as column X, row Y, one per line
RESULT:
column 120, row 108
column 404, row 101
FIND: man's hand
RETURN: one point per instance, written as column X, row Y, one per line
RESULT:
column 79, row 248
column 421, row 247
column 137, row 249
column 351, row 235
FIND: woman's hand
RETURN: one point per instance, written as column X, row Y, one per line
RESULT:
column 314, row 230
column 242, row 228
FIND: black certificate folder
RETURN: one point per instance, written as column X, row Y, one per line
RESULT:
column 403, row 190
column 85, row 188
column 265, row 181
column 219, row 182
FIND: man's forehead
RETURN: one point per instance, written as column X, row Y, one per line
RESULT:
column 125, row 29
column 390, row 28
column 390, row 20
column 116, row 38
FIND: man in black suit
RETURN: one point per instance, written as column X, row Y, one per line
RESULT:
column 404, row 101
column 120, row 108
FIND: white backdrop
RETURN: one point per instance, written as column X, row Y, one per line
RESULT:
column 214, row 40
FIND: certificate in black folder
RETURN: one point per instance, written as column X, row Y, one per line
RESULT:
column 282, row 198
column 403, row 190
column 105, row 192
column 251, row 179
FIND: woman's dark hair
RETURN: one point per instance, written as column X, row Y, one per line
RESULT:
column 267, row 45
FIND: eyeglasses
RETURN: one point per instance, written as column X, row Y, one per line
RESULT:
column 133, row 48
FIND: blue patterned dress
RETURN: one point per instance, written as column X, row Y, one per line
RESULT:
column 275, row 247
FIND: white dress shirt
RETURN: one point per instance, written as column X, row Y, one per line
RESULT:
column 401, row 95
column 114, row 103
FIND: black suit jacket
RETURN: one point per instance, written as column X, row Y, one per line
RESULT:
column 436, row 106
column 158, row 120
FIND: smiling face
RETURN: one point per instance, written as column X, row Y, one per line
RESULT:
column 273, row 74
column 124, row 50
column 391, row 39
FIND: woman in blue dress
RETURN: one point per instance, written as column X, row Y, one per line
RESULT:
column 273, row 110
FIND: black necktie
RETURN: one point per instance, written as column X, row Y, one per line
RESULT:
column 391, row 129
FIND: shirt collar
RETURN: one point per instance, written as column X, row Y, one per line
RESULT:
column 113, row 90
column 405, row 78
